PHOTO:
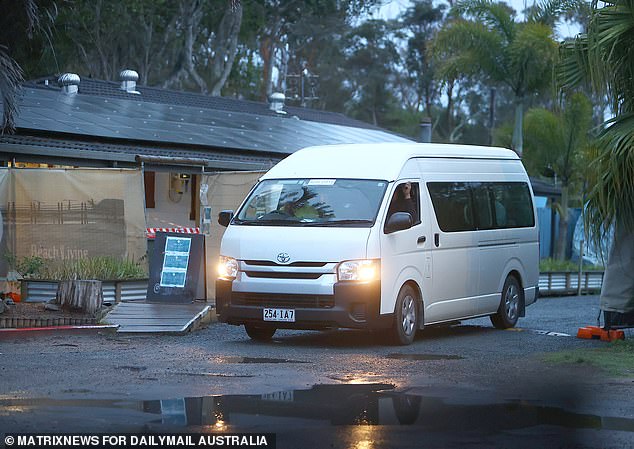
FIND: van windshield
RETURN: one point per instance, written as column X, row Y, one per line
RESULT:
column 313, row 202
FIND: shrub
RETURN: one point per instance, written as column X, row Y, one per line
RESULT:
column 549, row 264
column 103, row 268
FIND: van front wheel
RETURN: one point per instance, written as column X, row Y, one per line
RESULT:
column 259, row 333
column 508, row 311
column 406, row 316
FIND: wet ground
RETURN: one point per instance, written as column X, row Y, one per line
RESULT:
column 461, row 386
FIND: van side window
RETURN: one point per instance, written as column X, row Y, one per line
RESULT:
column 406, row 198
column 452, row 205
column 513, row 206
column 470, row 206
column 482, row 201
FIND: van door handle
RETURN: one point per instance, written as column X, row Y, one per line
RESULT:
column 421, row 239
column 437, row 239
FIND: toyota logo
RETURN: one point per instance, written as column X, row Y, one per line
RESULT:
column 283, row 257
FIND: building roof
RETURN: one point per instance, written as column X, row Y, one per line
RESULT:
column 103, row 124
column 544, row 188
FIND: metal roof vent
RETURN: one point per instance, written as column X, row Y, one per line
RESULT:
column 425, row 130
column 128, row 81
column 276, row 102
column 69, row 83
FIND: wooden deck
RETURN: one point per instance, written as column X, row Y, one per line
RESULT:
column 145, row 318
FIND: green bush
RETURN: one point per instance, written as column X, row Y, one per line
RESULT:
column 103, row 268
column 549, row 264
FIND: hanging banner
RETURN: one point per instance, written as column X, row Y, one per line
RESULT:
column 59, row 215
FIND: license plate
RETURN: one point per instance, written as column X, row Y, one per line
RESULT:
column 287, row 315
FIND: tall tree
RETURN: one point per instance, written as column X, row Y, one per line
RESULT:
column 421, row 22
column 371, row 63
column 215, row 48
column 486, row 40
column 294, row 30
column 604, row 57
column 188, row 44
column 555, row 143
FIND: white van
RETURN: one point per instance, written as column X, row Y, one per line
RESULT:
column 324, row 241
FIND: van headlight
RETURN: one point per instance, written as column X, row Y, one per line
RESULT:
column 227, row 268
column 364, row 270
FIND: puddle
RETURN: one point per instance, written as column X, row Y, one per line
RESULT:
column 256, row 360
column 322, row 406
column 424, row 357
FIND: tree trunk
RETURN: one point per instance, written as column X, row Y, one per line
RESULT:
column 82, row 295
column 226, row 46
column 191, row 14
column 562, row 239
column 518, row 136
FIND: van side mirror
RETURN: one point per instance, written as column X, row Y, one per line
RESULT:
column 224, row 217
column 398, row 221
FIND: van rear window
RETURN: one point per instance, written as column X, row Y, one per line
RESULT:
column 471, row 206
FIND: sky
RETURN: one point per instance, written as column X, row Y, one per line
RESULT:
column 392, row 8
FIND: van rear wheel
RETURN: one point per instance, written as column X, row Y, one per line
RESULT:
column 259, row 333
column 508, row 311
column 406, row 316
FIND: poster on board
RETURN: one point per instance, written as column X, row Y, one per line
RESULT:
column 177, row 268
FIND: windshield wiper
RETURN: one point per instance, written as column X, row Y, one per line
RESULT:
column 343, row 222
column 268, row 222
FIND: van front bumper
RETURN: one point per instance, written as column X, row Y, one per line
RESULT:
column 353, row 305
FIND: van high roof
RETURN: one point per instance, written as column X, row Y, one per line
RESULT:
column 373, row 161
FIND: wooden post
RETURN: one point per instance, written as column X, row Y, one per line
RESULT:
column 80, row 294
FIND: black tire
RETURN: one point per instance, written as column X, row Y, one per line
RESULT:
column 508, row 311
column 406, row 316
column 259, row 333
column 407, row 408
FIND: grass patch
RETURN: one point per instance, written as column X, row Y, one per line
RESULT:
column 546, row 265
column 616, row 358
column 103, row 268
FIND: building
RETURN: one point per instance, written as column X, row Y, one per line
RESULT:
column 172, row 136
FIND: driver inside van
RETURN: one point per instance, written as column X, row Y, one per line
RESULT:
column 403, row 201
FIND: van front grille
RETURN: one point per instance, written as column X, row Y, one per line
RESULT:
column 270, row 263
column 278, row 275
column 283, row 300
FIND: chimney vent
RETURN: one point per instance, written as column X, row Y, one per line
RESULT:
column 128, row 81
column 425, row 130
column 69, row 83
column 276, row 101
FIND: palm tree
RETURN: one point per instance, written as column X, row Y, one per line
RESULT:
column 557, row 142
column 486, row 41
column 604, row 57
column 19, row 18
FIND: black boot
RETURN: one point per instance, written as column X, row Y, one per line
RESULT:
column 617, row 319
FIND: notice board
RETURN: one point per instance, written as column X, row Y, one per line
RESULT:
column 177, row 268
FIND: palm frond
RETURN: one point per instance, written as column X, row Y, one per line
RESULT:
column 610, row 195
column 466, row 47
column 573, row 67
column 10, row 79
column 548, row 12
column 495, row 16
column 610, row 53
column 533, row 54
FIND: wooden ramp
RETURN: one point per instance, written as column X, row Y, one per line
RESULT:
column 145, row 318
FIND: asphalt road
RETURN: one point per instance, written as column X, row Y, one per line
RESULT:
column 468, row 385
